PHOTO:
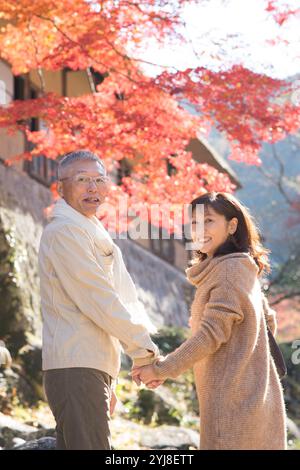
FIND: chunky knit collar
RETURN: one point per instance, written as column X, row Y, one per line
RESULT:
column 197, row 273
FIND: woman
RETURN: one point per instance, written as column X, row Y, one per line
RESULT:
column 239, row 391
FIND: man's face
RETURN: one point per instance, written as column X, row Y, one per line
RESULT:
column 83, row 188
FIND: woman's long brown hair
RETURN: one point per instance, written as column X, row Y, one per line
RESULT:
column 246, row 239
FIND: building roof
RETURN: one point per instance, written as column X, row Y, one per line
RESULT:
column 203, row 152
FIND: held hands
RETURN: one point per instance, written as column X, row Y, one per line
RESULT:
column 146, row 375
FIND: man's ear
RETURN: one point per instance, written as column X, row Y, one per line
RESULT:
column 60, row 189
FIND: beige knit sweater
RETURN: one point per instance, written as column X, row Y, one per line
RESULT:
column 239, row 392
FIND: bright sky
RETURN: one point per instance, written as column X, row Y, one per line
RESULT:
column 223, row 32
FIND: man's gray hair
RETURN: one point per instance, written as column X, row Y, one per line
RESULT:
column 78, row 155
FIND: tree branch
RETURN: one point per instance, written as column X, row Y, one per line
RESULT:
column 91, row 80
column 96, row 61
column 284, row 297
column 39, row 69
column 277, row 181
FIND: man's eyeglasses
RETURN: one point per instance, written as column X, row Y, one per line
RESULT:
column 87, row 180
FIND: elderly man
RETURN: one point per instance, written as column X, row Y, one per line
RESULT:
column 89, row 307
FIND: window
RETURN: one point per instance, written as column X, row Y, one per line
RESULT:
column 19, row 88
column 123, row 170
column 171, row 169
column 42, row 169
column 39, row 168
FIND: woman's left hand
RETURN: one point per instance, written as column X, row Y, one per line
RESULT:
column 147, row 375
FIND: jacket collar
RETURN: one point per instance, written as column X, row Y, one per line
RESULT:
column 93, row 225
column 197, row 273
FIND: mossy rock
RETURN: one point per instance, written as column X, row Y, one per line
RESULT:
column 14, row 389
column 169, row 338
column 155, row 407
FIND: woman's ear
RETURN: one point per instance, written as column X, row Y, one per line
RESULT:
column 233, row 225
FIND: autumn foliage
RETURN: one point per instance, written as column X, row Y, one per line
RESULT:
column 129, row 114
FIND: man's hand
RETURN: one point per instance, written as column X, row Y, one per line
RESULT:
column 113, row 402
column 146, row 374
column 154, row 384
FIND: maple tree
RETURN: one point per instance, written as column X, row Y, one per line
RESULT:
column 281, row 12
column 129, row 114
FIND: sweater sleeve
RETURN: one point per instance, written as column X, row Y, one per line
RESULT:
column 270, row 315
column 86, row 283
column 220, row 314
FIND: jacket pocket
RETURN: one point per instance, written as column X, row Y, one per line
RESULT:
column 107, row 263
column 107, row 260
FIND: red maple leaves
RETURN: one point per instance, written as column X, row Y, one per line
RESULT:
column 129, row 114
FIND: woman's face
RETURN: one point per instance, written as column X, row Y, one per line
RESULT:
column 209, row 234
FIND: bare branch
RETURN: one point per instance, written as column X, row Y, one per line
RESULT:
column 291, row 295
column 135, row 59
column 279, row 180
column 39, row 69
column 91, row 80
column 281, row 176
column 96, row 61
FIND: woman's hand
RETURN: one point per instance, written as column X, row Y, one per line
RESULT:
column 147, row 375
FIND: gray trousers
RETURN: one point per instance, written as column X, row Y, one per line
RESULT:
column 79, row 399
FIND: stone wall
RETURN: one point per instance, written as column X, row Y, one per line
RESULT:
column 22, row 202
column 163, row 289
